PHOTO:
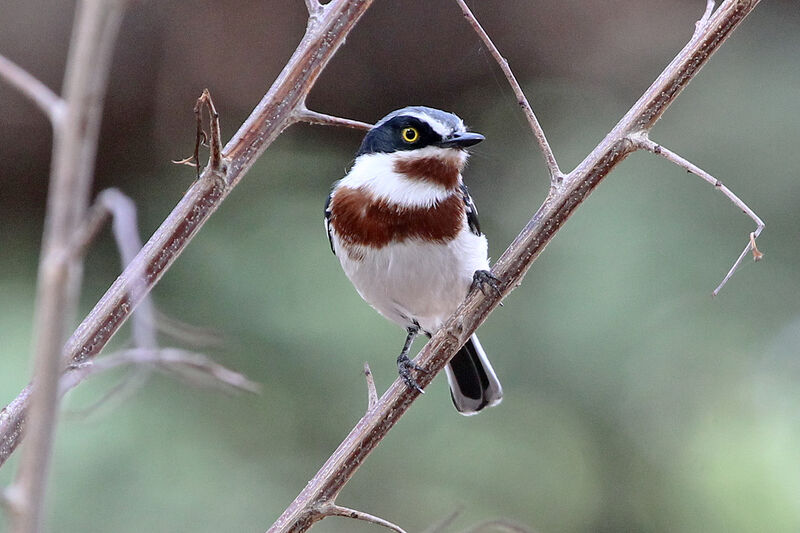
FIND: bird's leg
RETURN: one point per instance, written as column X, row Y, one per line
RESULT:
column 483, row 278
column 406, row 365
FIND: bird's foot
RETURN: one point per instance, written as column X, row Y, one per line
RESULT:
column 482, row 279
column 404, row 368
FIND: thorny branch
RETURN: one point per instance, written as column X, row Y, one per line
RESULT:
column 324, row 35
column 639, row 138
column 514, row 263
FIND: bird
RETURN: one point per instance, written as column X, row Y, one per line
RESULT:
column 406, row 232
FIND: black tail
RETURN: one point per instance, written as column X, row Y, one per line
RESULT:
column 473, row 383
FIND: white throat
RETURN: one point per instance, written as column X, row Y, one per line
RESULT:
column 375, row 173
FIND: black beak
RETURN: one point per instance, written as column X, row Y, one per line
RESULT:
column 461, row 140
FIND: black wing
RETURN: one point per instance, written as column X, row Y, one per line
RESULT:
column 328, row 228
column 472, row 211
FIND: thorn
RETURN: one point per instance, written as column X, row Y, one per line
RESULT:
column 189, row 161
column 372, row 393
column 757, row 255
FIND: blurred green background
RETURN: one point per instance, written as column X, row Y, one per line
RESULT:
column 634, row 400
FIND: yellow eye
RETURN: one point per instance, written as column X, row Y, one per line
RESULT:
column 410, row 135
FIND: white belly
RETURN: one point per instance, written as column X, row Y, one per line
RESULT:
column 415, row 281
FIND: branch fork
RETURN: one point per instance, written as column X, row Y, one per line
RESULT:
column 48, row 102
column 638, row 139
column 642, row 141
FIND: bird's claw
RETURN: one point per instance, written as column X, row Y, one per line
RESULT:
column 404, row 368
column 483, row 278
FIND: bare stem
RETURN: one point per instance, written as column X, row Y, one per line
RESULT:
column 75, row 145
column 171, row 360
column 556, row 176
column 40, row 94
column 129, row 243
column 643, row 142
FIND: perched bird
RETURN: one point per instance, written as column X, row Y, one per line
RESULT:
column 406, row 232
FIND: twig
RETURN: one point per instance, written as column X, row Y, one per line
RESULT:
column 442, row 525
column 337, row 510
column 87, row 232
column 143, row 323
column 506, row 526
column 511, row 267
column 643, row 142
column 214, row 141
column 171, row 360
column 700, row 24
column 271, row 116
column 302, row 114
column 116, row 395
column 197, row 336
column 372, row 393
column 556, row 176
column 129, row 243
column 75, row 143
column 40, row 94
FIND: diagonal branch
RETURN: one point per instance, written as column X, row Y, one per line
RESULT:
column 271, row 116
column 510, row 269
column 643, row 142
column 556, row 176
column 40, row 94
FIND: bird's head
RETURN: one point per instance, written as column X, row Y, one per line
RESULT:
column 421, row 143
column 416, row 128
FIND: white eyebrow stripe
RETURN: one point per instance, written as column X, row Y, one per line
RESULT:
column 437, row 126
